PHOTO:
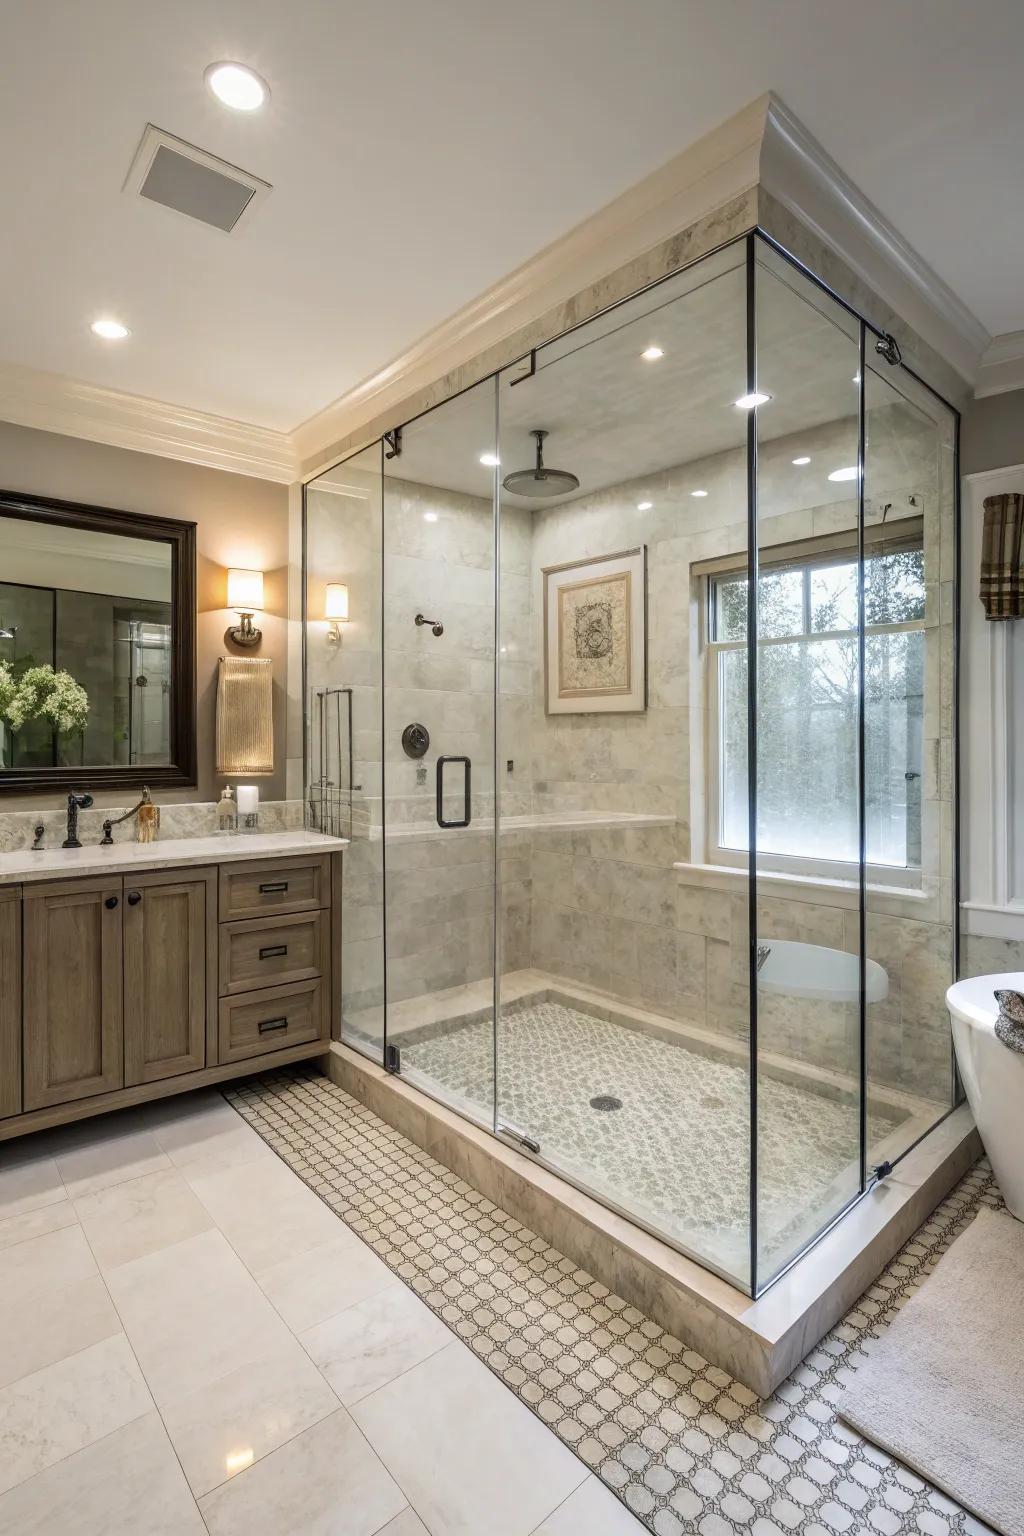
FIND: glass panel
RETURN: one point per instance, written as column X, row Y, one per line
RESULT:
column 344, row 782
column 808, row 790
column 909, row 483
column 439, row 636
column 622, row 1048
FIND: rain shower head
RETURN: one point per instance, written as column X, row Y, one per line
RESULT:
column 539, row 481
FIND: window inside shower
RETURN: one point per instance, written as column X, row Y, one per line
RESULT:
column 647, row 754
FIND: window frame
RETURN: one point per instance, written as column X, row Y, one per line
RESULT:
column 804, row 555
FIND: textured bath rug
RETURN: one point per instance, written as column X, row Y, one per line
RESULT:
column 942, row 1387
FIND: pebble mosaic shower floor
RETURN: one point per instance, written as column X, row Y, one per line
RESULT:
column 677, row 1151
column 684, row 1446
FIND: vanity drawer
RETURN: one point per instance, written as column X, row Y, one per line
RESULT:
column 270, row 1020
column 263, row 952
column 266, row 885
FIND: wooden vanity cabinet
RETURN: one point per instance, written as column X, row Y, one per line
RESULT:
column 170, row 938
column 72, row 990
column 10, row 1002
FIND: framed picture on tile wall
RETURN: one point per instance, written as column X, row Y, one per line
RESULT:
column 595, row 635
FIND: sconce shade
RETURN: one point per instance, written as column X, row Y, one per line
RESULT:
column 336, row 602
column 245, row 590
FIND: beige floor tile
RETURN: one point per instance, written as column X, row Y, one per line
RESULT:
column 127, row 1484
column 126, row 1221
column 193, row 1313
column 28, row 1270
column 69, row 1320
column 325, row 1482
column 65, row 1407
column 229, row 1424
column 207, row 1136
column 28, row 1179
column 469, row 1455
column 97, row 1155
column 371, row 1343
column 408, row 1523
column 265, row 1211
column 28, row 1224
column 313, row 1285
column 591, row 1511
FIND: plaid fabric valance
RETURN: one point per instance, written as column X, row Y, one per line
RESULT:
column 1002, row 557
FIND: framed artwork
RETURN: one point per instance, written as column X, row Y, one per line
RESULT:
column 595, row 635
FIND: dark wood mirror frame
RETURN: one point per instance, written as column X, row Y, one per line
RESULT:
column 180, row 771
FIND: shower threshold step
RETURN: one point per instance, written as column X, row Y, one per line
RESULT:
column 759, row 1341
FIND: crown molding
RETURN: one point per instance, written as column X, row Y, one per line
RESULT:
column 802, row 176
column 717, row 168
column 54, row 403
column 1002, row 365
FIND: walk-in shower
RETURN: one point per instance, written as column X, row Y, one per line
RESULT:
column 667, row 897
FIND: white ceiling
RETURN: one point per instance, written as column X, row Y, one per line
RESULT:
column 419, row 152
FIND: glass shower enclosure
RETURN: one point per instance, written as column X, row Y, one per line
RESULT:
column 643, row 729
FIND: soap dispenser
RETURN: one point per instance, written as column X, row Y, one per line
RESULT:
column 148, row 822
column 227, row 811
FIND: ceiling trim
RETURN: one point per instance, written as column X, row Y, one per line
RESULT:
column 1002, row 365
column 801, row 175
column 717, row 168
column 54, row 403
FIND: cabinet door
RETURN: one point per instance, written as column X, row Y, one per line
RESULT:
column 167, row 965
column 72, row 990
column 10, row 1001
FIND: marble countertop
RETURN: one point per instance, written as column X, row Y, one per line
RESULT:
column 24, row 865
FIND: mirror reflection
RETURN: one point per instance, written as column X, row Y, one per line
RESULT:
column 86, row 652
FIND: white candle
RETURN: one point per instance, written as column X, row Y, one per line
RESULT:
column 248, row 797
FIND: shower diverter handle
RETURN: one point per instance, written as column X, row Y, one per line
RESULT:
column 439, row 779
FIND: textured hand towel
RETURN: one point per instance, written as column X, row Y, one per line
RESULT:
column 245, row 715
column 1010, row 1023
column 942, row 1388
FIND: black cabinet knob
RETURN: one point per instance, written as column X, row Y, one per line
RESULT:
column 134, row 897
column 110, row 903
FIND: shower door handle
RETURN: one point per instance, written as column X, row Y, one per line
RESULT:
column 440, row 792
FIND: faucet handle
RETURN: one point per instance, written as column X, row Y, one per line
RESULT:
column 39, row 830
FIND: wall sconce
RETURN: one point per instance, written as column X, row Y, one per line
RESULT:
column 336, row 610
column 245, row 595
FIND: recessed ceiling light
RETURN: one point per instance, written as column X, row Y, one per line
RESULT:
column 430, row 517
column 110, row 330
column 850, row 472
column 644, row 506
column 804, row 458
column 698, row 493
column 490, row 460
column 237, row 86
column 748, row 402
column 651, row 354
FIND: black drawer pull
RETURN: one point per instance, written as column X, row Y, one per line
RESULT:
column 266, row 1025
column 272, row 951
column 269, row 886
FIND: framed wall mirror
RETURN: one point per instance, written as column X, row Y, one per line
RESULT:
column 97, row 647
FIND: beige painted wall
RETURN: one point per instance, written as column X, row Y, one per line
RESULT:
column 240, row 521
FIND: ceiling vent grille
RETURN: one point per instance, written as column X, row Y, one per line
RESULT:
column 186, row 179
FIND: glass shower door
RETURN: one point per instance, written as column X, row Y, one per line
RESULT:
column 439, row 640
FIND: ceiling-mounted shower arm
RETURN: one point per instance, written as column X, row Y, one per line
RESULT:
column 435, row 627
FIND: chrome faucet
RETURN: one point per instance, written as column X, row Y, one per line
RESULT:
column 76, row 802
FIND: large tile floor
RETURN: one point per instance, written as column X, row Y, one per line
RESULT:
column 192, row 1340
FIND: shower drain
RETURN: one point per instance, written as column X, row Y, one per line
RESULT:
column 606, row 1101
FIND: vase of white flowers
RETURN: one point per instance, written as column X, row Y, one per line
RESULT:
column 39, row 693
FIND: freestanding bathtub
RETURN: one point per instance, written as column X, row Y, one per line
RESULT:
column 993, row 1078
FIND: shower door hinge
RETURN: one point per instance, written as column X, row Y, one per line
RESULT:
column 392, row 1059
column 881, row 1171
column 519, row 1137
column 531, row 371
column 394, row 442
column 888, row 347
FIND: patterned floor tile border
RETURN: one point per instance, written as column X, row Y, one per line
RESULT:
column 684, row 1446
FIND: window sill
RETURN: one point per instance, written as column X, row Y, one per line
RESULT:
column 844, row 893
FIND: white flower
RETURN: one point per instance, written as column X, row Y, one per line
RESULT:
column 41, row 692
